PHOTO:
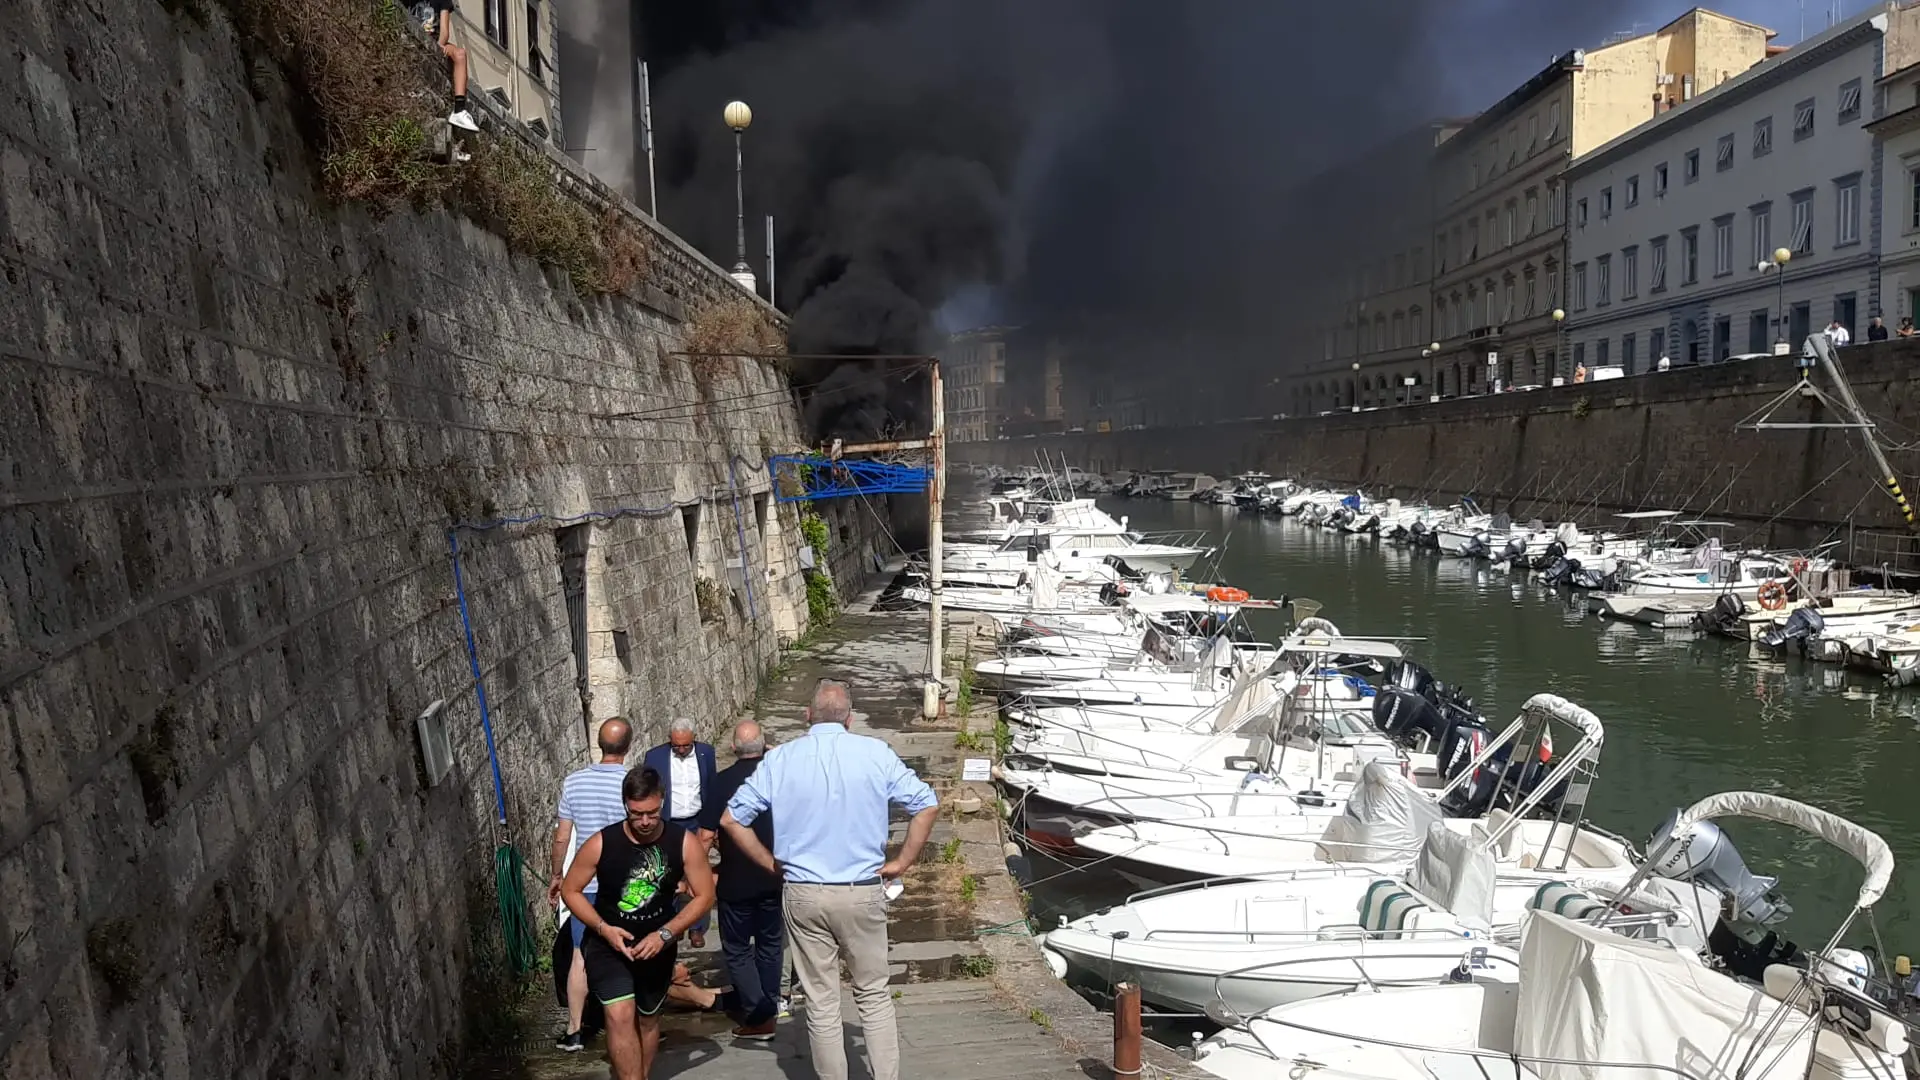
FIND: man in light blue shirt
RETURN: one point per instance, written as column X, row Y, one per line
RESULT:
column 831, row 792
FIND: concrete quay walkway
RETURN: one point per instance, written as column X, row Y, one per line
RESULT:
column 974, row 999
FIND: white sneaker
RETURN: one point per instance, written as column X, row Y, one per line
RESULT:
column 461, row 157
column 463, row 120
column 786, row 1009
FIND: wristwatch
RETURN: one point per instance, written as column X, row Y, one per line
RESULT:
column 666, row 935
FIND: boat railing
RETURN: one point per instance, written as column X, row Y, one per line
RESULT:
column 1476, row 958
column 1296, row 873
column 1339, row 932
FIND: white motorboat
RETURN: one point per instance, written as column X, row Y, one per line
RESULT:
column 1585, row 1002
column 1387, row 814
column 1078, row 553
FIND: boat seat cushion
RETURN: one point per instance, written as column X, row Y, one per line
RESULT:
column 1564, row 900
column 1387, row 905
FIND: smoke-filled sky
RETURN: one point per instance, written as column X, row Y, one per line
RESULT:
column 1118, row 169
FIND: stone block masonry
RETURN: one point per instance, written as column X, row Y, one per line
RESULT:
column 1665, row 440
column 235, row 427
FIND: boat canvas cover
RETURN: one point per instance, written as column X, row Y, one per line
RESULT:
column 1456, row 873
column 1385, row 818
column 1593, row 997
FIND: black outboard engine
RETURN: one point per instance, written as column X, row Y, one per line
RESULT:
column 1592, row 579
column 1417, row 534
column 1560, row 570
column 1726, row 610
column 1554, row 550
column 1411, row 676
column 1400, row 712
column 1803, row 624
column 1515, row 552
column 1461, row 743
column 1476, row 547
column 1120, row 567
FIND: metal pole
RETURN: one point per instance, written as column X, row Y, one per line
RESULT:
column 646, row 137
column 770, row 302
column 739, row 208
column 936, row 552
column 1126, row 1029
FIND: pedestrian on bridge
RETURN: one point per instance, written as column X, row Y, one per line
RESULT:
column 830, row 792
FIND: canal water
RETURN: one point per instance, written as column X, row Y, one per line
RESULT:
column 1685, row 715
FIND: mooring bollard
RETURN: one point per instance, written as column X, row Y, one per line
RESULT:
column 1126, row 1029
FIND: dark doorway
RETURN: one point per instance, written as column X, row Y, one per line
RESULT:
column 573, row 542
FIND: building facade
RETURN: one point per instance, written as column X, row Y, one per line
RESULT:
column 511, row 46
column 1376, row 303
column 1501, row 271
column 1675, row 225
column 1896, row 152
column 973, row 378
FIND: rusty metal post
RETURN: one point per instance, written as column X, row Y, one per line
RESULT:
column 1126, row 1029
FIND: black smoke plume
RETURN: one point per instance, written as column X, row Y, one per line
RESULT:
column 1134, row 178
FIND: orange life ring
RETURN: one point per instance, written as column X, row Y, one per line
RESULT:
column 1222, row 595
column 1798, row 566
column 1773, row 596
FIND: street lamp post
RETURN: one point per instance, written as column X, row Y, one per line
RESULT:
column 1778, row 265
column 1433, row 389
column 738, row 116
column 1353, row 388
column 1560, row 332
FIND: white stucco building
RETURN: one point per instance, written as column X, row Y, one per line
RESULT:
column 1669, row 223
column 1897, row 150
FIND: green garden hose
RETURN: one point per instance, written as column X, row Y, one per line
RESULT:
column 516, row 931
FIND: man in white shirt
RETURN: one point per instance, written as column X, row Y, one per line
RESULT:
column 687, row 768
column 1838, row 334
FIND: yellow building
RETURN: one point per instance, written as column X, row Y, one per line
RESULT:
column 511, row 49
column 1500, row 236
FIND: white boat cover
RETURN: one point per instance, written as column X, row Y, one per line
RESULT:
column 1598, row 1000
column 1385, row 818
column 1456, row 872
column 1861, row 843
column 1567, row 712
column 1046, row 587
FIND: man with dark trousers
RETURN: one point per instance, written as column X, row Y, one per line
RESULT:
column 687, row 768
column 752, row 927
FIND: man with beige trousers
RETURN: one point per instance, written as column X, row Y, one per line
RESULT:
column 830, row 791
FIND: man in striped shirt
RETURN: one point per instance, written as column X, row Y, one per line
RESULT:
column 589, row 801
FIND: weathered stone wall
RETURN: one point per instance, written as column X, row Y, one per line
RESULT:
column 1656, row 441
column 235, row 427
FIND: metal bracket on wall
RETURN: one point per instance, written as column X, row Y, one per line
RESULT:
column 1761, row 419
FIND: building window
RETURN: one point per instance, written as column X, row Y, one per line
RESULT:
column 1580, row 286
column 496, row 21
column 1627, row 342
column 1533, row 295
column 1606, row 203
column 1690, row 167
column 1600, row 352
column 1553, row 284
column 1723, row 154
column 1473, row 229
column 1846, row 229
column 1659, row 179
column 1629, row 273
column 1657, row 264
column 1803, row 120
column 1656, row 343
column 1603, row 286
column 1633, row 192
column 1533, row 211
column 1556, row 210
column 536, row 60
column 1763, row 136
column 1533, row 133
column 1579, row 353
column 1553, row 121
column 1913, row 199
column 1762, row 215
column 1802, row 242
column 1849, row 101
column 1580, row 212
column 1490, row 308
column 1511, row 214
column 1689, row 256
column 1723, row 246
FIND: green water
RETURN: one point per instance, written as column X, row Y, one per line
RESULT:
column 1685, row 716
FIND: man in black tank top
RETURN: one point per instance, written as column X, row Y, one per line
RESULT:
column 632, row 930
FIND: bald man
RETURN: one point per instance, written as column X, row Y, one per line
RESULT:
column 589, row 802
column 752, row 930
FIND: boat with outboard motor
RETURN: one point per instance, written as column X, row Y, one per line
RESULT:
column 1584, row 1001
column 1387, row 814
